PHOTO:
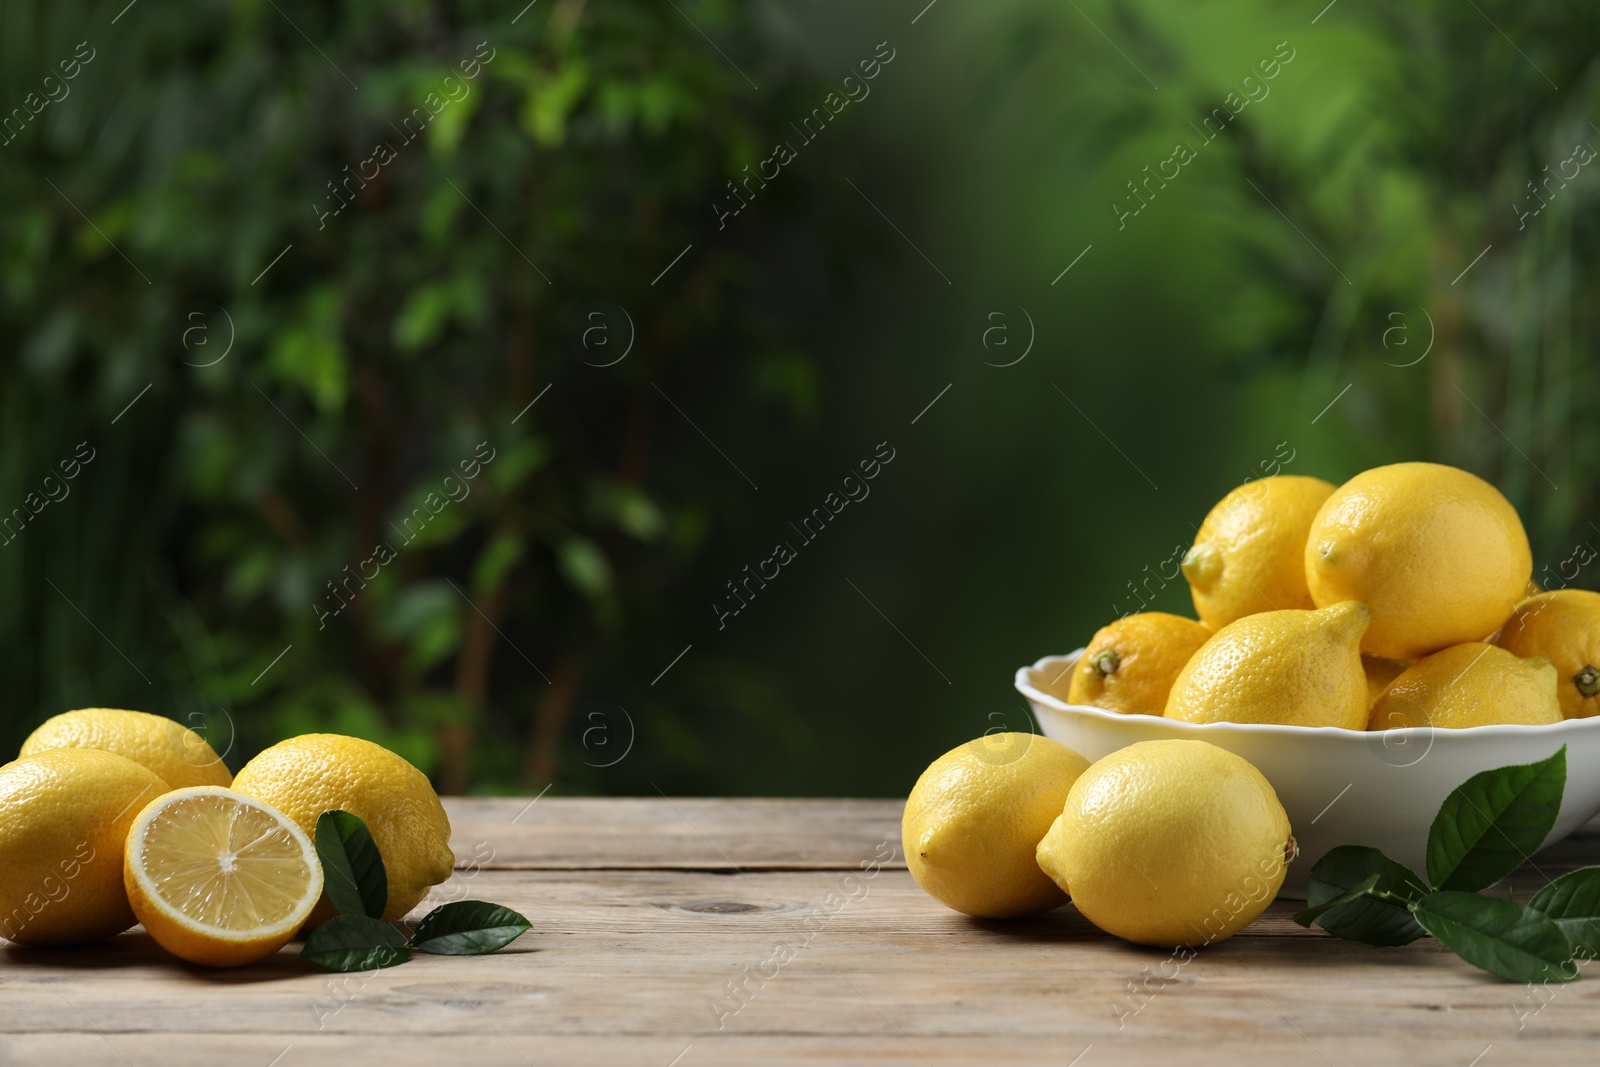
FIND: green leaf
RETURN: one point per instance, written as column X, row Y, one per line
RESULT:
column 1333, row 903
column 355, row 943
column 1309, row 915
column 584, row 566
column 468, row 928
column 1489, row 826
column 544, row 114
column 1501, row 936
column 1573, row 902
column 353, row 875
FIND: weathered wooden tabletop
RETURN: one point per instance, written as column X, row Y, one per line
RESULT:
column 648, row 914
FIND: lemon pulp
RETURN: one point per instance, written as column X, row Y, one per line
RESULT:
column 218, row 877
column 227, row 865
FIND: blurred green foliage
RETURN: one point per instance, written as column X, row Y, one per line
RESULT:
column 395, row 222
column 1277, row 294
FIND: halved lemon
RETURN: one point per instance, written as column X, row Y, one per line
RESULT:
column 219, row 878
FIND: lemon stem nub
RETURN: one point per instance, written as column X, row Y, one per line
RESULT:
column 1587, row 680
column 1291, row 849
column 1107, row 662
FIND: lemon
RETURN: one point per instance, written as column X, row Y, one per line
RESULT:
column 1437, row 554
column 1380, row 672
column 976, row 815
column 64, row 816
column 1471, row 684
column 1130, row 664
column 1564, row 628
column 1170, row 843
column 313, row 773
column 1291, row 667
column 176, row 753
column 218, row 878
column 1249, row 554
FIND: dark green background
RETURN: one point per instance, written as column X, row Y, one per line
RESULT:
column 1312, row 252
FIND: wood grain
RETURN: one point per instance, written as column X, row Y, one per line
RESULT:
column 629, row 964
column 580, row 833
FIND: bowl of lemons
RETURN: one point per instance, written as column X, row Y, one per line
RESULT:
column 1368, row 647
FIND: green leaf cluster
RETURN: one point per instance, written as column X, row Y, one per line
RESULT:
column 1485, row 829
column 356, row 884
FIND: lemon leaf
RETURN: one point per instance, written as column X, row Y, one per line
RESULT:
column 1501, row 936
column 1493, row 822
column 1359, row 894
column 355, row 943
column 1573, row 902
column 468, row 928
column 1310, row 915
column 353, row 875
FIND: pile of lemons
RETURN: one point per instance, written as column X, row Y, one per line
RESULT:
column 111, row 817
column 1164, row 843
column 1401, row 598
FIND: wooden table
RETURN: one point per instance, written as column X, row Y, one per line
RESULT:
column 644, row 911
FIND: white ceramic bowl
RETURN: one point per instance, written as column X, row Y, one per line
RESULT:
column 1342, row 787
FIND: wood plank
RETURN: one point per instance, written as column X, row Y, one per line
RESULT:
column 700, row 833
column 636, row 960
column 802, row 1050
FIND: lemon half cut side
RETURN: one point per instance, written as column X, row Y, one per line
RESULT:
column 219, row 878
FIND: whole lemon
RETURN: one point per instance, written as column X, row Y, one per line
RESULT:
column 976, row 815
column 1249, row 554
column 1170, row 843
column 180, row 756
column 64, row 818
column 313, row 773
column 1471, row 684
column 1564, row 628
column 1130, row 664
column 1380, row 672
column 1437, row 554
column 1291, row 667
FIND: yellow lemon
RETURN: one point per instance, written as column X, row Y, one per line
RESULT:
column 313, row 773
column 64, row 817
column 976, row 815
column 1170, row 843
column 218, row 878
column 1471, row 684
column 1564, row 628
column 1130, row 664
column 1250, row 552
column 1380, row 672
column 1437, row 554
column 1293, row 668
column 176, row 753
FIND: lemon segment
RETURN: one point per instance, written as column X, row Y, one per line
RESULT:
column 219, row 878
